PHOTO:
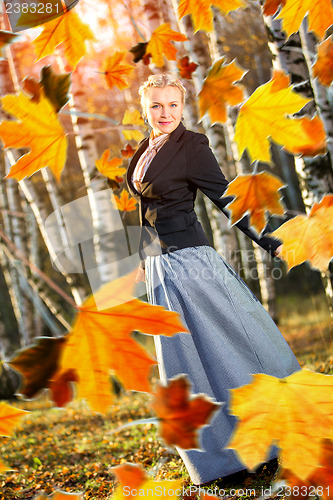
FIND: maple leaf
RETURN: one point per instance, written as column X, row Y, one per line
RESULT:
column 133, row 118
column 271, row 6
column 125, row 203
column 255, row 194
column 100, row 341
column 323, row 68
column 309, row 237
column 320, row 15
column 47, row 11
column 295, row 412
column 186, row 68
column 61, row 387
column 38, row 363
column 128, row 151
column 133, row 478
column 110, row 168
column 160, row 43
column 116, row 70
column 68, row 32
column 218, row 90
column 139, row 51
column 315, row 137
column 9, row 418
column 179, row 415
column 201, row 12
column 39, row 129
column 321, row 477
column 265, row 114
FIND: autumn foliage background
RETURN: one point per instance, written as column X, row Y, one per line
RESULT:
column 260, row 87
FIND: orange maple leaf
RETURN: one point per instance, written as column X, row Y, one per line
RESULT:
column 38, row 363
column 39, row 129
column 68, row 32
column 218, row 90
column 309, row 237
column 100, row 341
column 201, row 12
column 160, row 43
column 128, row 151
column 319, row 12
column 255, row 194
column 110, row 168
column 323, row 68
column 321, row 477
column 295, row 412
column 9, row 418
column 134, row 483
column 315, row 137
column 186, row 68
column 117, row 70
column 271, row 6
column 125, row 203
column 61, row 387
column 266, row 114
column 179, row 415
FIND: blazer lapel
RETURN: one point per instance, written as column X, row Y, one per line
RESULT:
column 131, row 167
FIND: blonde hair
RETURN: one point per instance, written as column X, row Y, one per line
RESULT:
column 160, row 80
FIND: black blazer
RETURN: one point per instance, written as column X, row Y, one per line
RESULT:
column 166, row 203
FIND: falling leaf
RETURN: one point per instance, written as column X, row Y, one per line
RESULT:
column 295, row 412
column 67, row 31
column 100, row 341
column 321, row 477
column 47, row 11
column 320, row 16
column 56, row 86
column 3, row 467
column 61, row 387
column 315, row 138
column 110, row 168
column 6, row 38
column 39, row 129
column 38, row 363
column 271, row 6
column 323, row 68
column 255, row 194
column 128, row 151
column 9, row 418
column 186, row 68
column 309, row 237
column 133, row 118
column 201, row 12
column 139, row 51
column 218, row 90
column 32, row 87
column 265, row 114
column 135, row 484
column 117, row 70
column 160, row 43
column 125, row 203
column 181, row 416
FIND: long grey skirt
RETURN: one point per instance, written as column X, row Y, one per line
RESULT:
column 232, row 336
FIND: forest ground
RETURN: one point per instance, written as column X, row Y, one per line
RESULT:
column 74, row 450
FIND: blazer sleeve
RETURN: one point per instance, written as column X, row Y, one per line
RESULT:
column 205, row 173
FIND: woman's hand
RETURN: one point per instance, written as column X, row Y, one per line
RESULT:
column 140, row 275
column 278, row 252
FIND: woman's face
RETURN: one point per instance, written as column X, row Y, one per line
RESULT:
column 164, row 108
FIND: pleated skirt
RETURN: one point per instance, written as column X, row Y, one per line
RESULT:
column 232, row 337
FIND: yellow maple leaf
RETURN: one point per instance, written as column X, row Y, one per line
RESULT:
column 295, row 412
column 100, row 341
column 218, row 90
column 320, row 15
column 69, row 32
column 265, row 114
column 255, row 194
column 201, row 12
column 39, row 129
column 309, row 237
column 133, row 118
column 160, row 43
column 116, row 70
column 323, row 68
column 125, row 203
column 135, row 484
column 110, row 168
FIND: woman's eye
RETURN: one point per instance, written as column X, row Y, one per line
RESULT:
column 155, row 106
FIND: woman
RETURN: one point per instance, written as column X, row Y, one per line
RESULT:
column 232, row 336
